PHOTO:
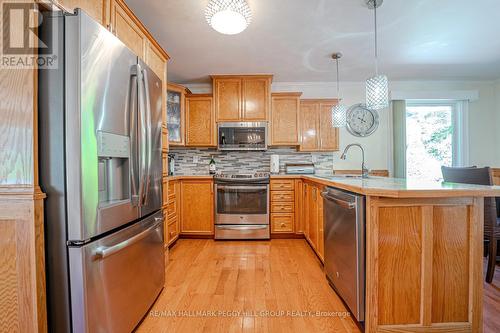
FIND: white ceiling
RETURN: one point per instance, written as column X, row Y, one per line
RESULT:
column 293, row 39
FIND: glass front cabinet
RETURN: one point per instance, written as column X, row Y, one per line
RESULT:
column 175, row 114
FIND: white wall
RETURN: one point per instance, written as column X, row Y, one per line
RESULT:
column 484, row 118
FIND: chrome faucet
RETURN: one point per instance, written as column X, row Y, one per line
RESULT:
column 364, row 170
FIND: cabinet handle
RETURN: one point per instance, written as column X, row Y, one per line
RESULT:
column 283, row 225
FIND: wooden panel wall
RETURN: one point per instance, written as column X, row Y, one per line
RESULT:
column 424, row 265
column 22, row 261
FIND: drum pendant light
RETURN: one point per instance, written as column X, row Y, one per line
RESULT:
column 377, row 87
column 339, row 111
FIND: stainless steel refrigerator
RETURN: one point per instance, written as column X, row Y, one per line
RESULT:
column 100, row 166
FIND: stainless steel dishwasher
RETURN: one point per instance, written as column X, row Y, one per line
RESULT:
column 344, row 225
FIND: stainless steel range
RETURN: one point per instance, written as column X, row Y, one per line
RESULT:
column 242, row 206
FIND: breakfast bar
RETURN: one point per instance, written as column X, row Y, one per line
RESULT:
column 424, row 253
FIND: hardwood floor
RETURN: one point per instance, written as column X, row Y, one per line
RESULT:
column 491, row 303
column 260, row 278
column 208, row 283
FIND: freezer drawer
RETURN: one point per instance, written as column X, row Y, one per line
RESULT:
column 115, row 280
column 255, row 231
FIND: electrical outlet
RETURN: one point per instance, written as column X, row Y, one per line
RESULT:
column 196, row 159
column 314, row 158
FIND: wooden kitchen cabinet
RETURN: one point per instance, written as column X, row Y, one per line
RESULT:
column 285, row 119
column 126, row 27
column 283, row 208
column 176, row 114
column 227, row 95
column 312, row 215
column 197, row 207
column 200, row 121
column 94, row 8
column 242, row 97
column 256, row 98
column 172, row 216
column 317, row 133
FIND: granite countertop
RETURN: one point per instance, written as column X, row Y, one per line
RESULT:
column 385, row 186
column 404, row 188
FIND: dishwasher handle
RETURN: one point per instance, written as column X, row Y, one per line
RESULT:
column 345, row 204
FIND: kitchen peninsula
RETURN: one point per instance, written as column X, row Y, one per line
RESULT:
column 423, row 246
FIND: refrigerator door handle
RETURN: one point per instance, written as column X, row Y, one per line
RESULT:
column 105, row 251
column 149, row 130
column 133, row 134
column 142, row 136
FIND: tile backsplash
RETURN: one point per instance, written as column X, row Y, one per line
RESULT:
column 244, row 161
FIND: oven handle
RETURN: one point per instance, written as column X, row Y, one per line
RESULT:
column 243, row 227
column 231, row 187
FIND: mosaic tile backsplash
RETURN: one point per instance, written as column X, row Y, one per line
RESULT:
column 244, row 161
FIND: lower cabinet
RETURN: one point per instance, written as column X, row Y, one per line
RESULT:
column 282, row 205
column 312, row 216
column 197, row 207
column 172, row 213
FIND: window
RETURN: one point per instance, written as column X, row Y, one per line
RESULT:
column 434, row 134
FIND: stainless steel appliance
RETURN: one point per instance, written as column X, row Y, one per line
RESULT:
column 299, row 168
column 100, row 165
column 242, row 206
column 242, row 136
column 344, row 232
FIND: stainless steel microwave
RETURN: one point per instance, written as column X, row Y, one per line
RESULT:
column 242, row 136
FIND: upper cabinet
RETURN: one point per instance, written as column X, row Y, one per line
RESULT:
column 242, row 97
column 285, row 119
column 200, row 121
column 176, row 95
column 126, row 28
column 227, row 94
column 317, row 133
column 95, row 8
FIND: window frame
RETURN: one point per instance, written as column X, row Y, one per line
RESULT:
column 460, row 122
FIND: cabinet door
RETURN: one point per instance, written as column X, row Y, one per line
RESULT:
column 256, row 99
column 156, row 61
column 299, row 206
column 126, row 29
column 285, row 119
column 227, row 94
column 175, row 114
column 200, row 122
column 197, row 207
column 306, row 197
column 321, row 240
column 94, row 8
column 329, row 136
column 313, row 217
column 309, row 121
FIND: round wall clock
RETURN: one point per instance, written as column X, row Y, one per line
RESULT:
column 361, row 121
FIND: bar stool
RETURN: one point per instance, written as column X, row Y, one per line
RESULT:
column 481, row 176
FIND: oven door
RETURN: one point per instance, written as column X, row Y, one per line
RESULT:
column 242, row 204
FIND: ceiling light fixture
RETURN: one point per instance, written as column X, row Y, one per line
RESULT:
column 377, row 87
column 339, row 111
column 229, row 17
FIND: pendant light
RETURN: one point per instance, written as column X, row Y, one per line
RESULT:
column 229, row 17
column 377, row 87
column 339, row 111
